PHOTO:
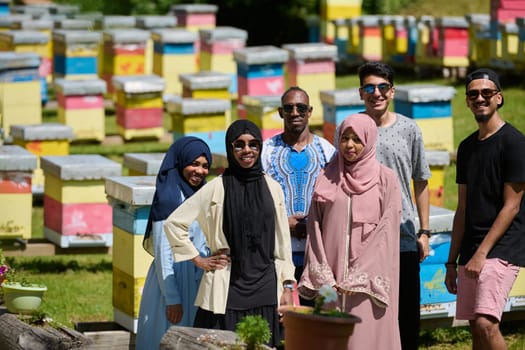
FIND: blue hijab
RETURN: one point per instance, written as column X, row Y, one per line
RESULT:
column 170, row 181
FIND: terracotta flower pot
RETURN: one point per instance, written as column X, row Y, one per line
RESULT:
column 22, row 299
column 304, row 330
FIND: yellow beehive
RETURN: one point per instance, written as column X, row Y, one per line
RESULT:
column 174, row 53
column 20, row 101
column 127, row 292
column 139, row 100
column 438, row 162
column 518, row 289
column 16, row 200
column 74, row 191
column 198, row 122
column 150, row 23
column 128, row 254
column 41, row 140
column 262, row 110
column 87, row 124
column 217, row 62
column 129, row 134
column 206, row 84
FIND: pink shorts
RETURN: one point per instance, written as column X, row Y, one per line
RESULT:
column 486, row 295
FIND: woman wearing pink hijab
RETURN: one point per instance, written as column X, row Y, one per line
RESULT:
column 353, row 236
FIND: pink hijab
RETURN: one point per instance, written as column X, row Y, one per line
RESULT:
column 358, row 179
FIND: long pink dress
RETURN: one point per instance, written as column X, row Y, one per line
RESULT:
column 357, row 248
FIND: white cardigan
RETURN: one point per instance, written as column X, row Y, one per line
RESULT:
column 206, row 206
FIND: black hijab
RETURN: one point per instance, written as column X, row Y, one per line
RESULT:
column 170, row 181
column 249, row 218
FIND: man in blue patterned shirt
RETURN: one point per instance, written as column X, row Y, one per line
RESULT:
column 294, row 158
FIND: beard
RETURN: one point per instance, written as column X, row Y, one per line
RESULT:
column 482, row 118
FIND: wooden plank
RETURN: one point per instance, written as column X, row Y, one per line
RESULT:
column 43, row 247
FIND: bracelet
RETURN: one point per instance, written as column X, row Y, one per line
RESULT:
column 425, row 232
column 451, row 264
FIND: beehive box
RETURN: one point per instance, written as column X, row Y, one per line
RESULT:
column 430, row 106
column 130, row 198
column 436, row 301
column 49, row 139
column 174, row 53
column 139, row 105
column 205, row 84
column 76, row 212
column 20, row 90
column 216, row 51
column 81, row 106
column 260, row 70
column 263, row 111
column 206, row 119
column 16, row 200
column 312, row 67
column 195, row 16
column 141, row 164
column 124, row 53
column 337, row 105
column 75, row 54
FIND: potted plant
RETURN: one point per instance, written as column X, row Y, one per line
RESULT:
column 20, row 296
column 254, row 331
column 318, row 327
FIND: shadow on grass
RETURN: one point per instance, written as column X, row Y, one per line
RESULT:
column 38, row 265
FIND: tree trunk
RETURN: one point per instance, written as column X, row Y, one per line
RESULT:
column 18, row 335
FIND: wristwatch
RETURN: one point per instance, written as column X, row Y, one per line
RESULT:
column 428, row 233
column 288, row 286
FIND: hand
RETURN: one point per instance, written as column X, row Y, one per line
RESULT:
column 297, row 226
column 174, row 313
column 286, row 300
column 451, row 280
column 212, row 263
column 474, row 266
column 423, row 247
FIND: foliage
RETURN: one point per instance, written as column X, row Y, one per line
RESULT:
column 4, row 267
column 254, row 331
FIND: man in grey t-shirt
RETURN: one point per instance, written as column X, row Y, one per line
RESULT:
column 400, row 147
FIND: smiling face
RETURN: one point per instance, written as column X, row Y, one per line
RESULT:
column 350, row 146
column 483, row 108
column 376, row 103
column 293, row 113
column 246, row 149
column 196, row 172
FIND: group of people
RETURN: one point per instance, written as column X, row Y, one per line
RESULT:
column 293, row 213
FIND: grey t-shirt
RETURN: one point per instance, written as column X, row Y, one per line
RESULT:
column 400, row 147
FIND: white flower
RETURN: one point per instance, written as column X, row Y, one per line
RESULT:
column 328, row 293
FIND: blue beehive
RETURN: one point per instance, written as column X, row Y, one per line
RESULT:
column 435, row 299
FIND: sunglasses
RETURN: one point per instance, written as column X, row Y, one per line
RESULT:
column 239, row 145
column 371, row 88
column 301, row 108
column 485, row 93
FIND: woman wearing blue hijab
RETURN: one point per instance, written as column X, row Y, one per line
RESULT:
column 170, row 288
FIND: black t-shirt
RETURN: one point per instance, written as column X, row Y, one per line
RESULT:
column 484, row 166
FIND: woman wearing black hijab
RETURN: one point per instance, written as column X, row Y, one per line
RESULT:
column 243, row 217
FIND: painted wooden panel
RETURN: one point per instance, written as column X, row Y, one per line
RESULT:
column 77, row 218
column 128, row 254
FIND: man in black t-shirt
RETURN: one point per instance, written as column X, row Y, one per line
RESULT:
column 488, row 235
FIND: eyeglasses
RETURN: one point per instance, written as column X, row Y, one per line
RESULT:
column 371, row 88
column 301, row 108
column 485, row 93
column 239, row 145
